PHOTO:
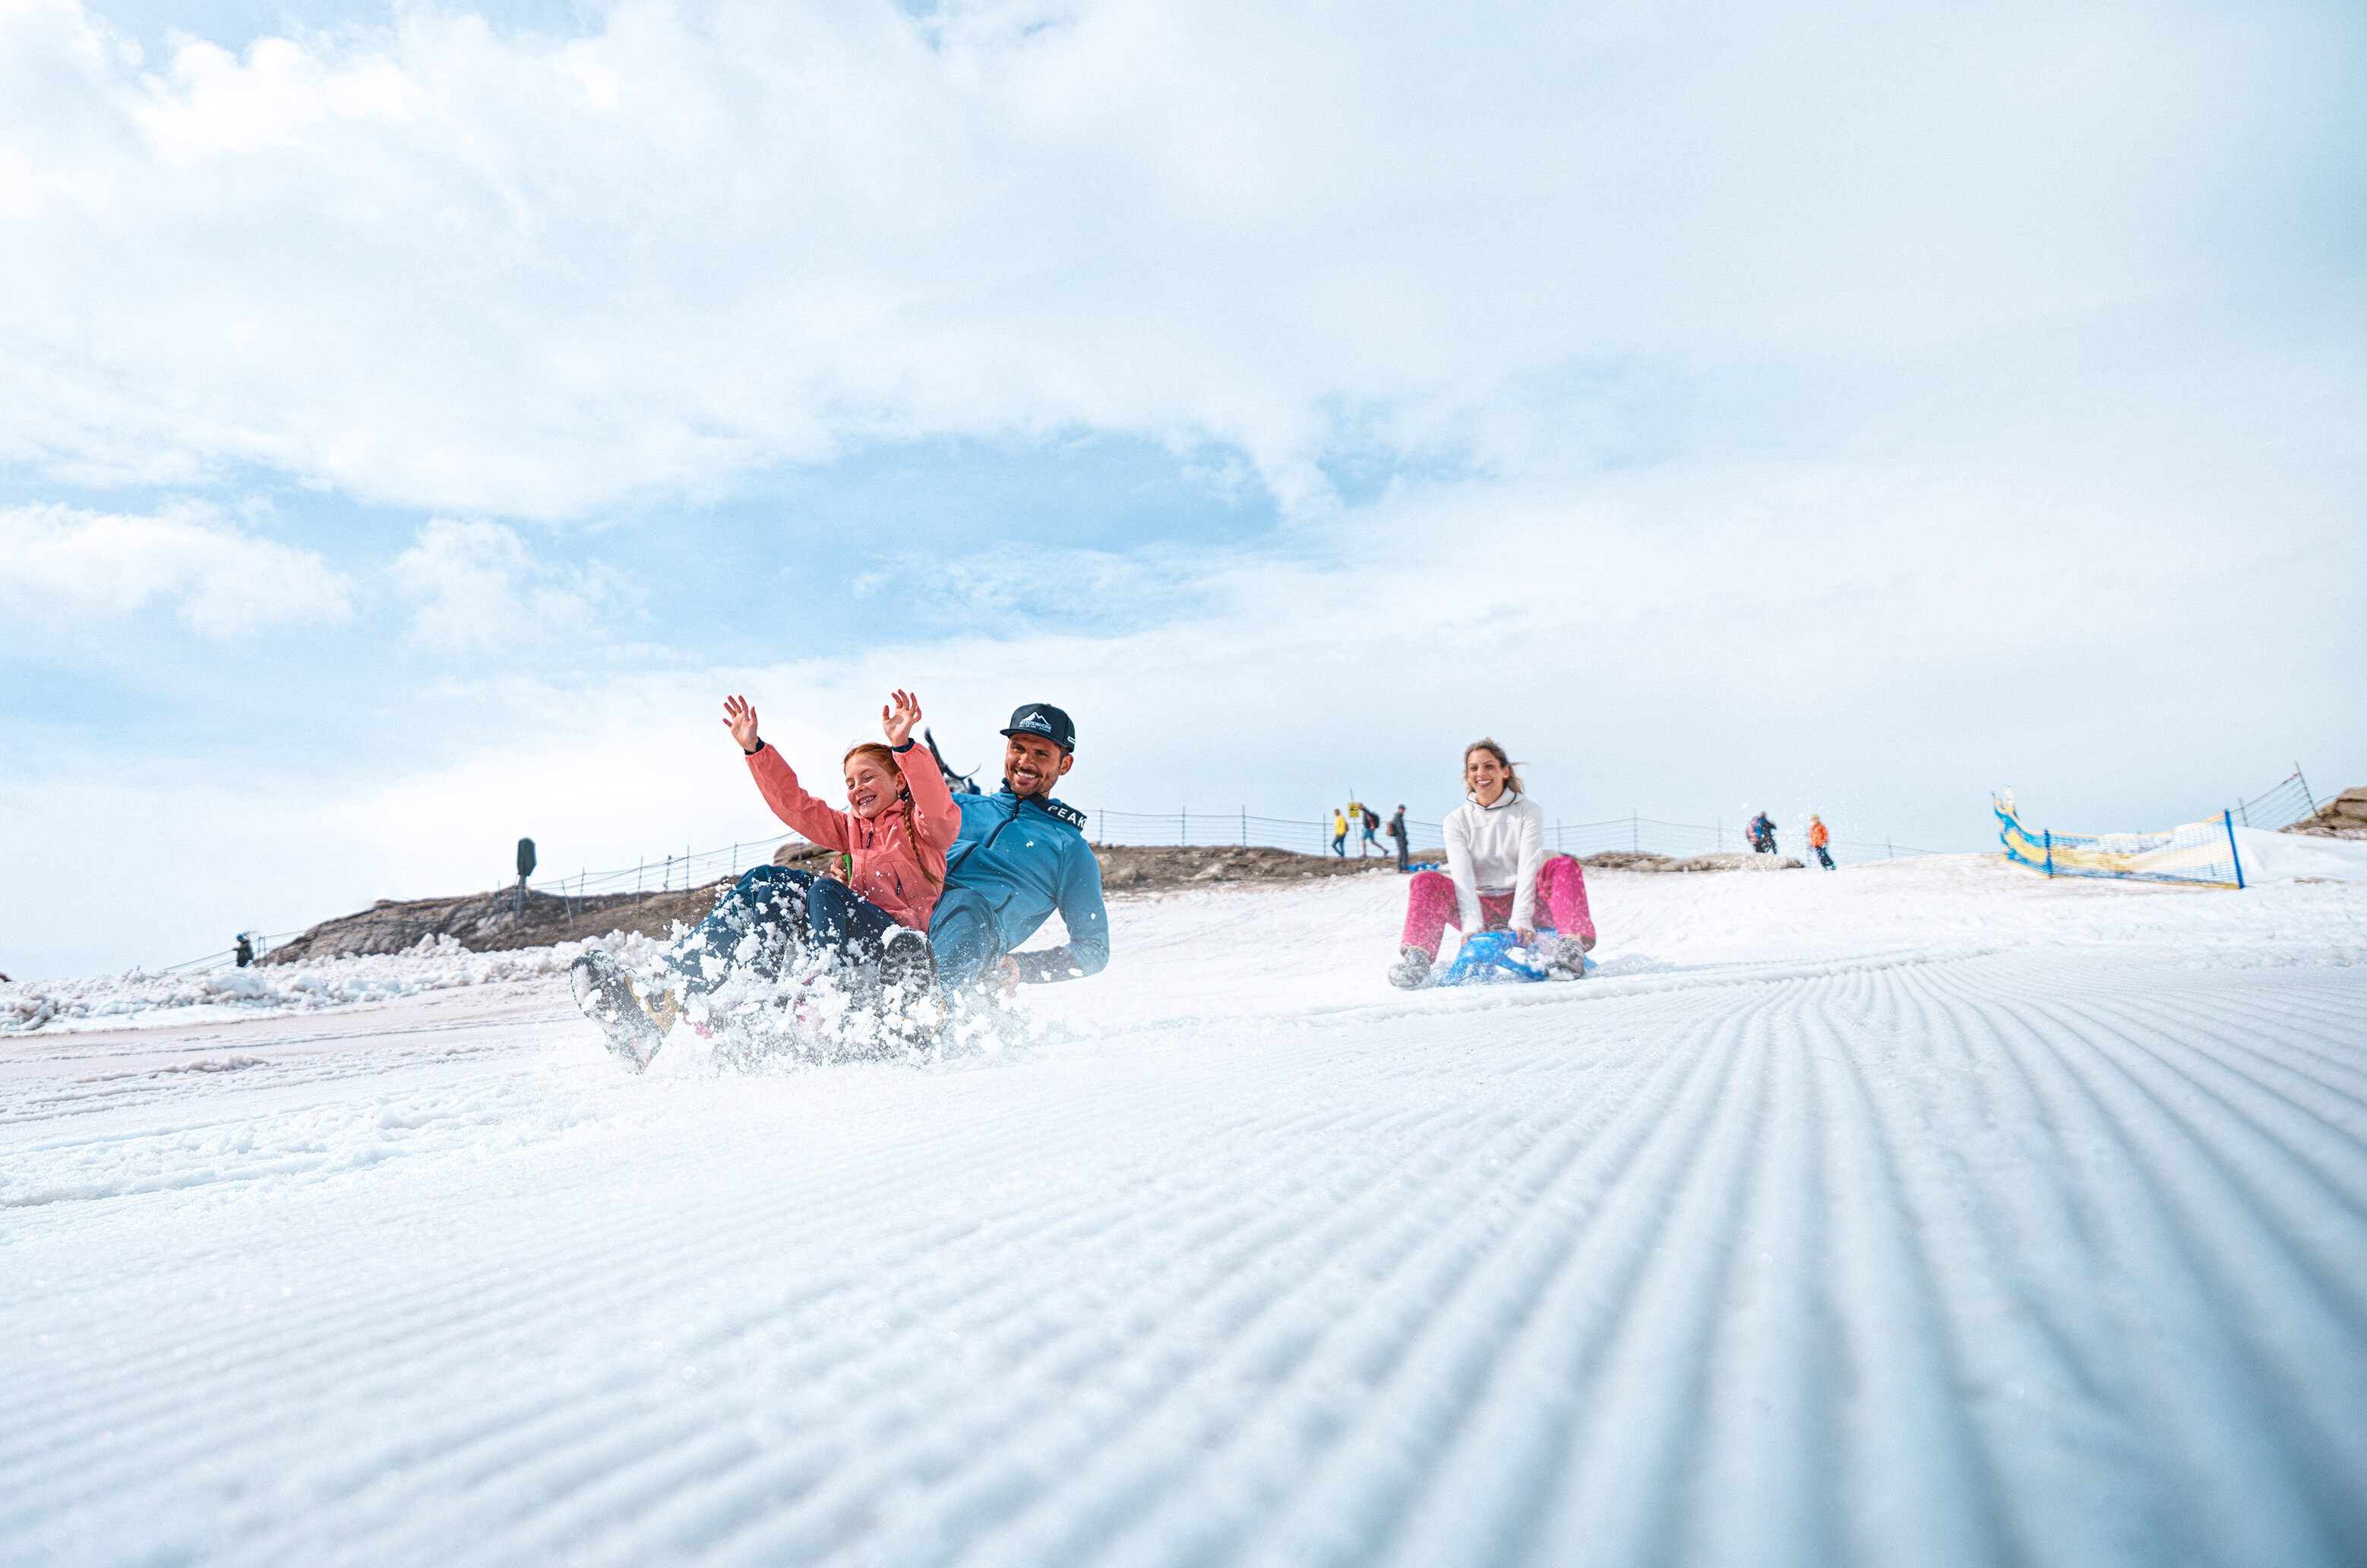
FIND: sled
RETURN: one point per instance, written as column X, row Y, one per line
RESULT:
column 1491, row 954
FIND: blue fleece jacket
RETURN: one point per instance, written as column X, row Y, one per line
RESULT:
column 1027, row 857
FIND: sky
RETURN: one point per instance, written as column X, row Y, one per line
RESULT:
column 414, row 420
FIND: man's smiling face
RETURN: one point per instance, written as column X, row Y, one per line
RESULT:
column 1031, row 765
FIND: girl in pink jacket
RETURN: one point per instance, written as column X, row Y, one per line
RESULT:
column 900, row 819
column 898, row 822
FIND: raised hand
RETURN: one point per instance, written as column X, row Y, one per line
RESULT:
column 903, row 712
column 740, row 717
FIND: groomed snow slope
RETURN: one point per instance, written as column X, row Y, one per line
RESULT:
column 1922, row 1213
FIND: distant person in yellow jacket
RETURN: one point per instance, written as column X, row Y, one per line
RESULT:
column 1338, row 833
column 1819, row 838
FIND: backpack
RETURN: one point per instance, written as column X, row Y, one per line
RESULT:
column 1371, row 822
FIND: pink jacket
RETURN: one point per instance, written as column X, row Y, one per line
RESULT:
column 886, row 871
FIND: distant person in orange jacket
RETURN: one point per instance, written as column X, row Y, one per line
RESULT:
column 1819, row 838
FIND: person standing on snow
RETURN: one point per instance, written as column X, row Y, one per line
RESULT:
column 1499, row 876
column 1338, row 833
column 244, row 952
column 1819, row 838
column 1021, row 854
column 1398, row 832
column 1762, row 834
column 894, row 836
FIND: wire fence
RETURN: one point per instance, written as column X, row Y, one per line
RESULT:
column 662, row 874
column 2284, row 803
column 262, row 945
column 2282, row 806
column 670, row 873
column 697, row 868
column 1633, row 832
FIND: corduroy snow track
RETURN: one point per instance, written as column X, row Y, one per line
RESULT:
column 1922, row 1213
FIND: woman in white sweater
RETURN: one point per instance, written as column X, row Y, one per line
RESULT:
column 1502, row 876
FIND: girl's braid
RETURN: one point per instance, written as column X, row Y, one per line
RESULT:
column 912, row 834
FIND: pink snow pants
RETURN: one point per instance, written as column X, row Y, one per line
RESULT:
column 1560, row 904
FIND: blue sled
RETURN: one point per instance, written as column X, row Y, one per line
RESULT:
column 1490, row 953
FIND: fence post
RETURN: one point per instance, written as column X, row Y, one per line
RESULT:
column 2305, row 795
column 2231, row 850
column 2050, row 851
column 1105, row 827
column 1245, row 827
column 1183, row 827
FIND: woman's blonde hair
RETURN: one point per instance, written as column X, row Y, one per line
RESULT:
column 894, row 769
column 1511, row 778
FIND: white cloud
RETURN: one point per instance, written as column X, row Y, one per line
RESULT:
column 478, row 589
column 499, row 273
column 65, row 567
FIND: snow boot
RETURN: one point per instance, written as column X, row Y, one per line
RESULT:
column 910, row 1001
column 1569, row 960
column 1411, row 971
column 605, row 994
column 908, row 960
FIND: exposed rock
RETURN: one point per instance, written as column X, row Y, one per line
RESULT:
column 494, row 922
column 1624, row 861
column 2345, row 816
column 1718, row 860
column 1138, row 869
column 1739, row 860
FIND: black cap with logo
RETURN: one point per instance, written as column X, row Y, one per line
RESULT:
column 1043, row 719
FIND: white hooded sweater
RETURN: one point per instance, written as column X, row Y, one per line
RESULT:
column 1496, row 849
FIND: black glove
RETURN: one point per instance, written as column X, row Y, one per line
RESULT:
column 1046, row 966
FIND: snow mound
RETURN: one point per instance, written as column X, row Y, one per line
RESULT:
column 135, row 998
column 2284, row 857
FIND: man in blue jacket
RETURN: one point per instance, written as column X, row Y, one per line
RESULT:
column 1021, row 854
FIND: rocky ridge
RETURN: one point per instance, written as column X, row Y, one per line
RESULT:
column 497, row 922
column 2345, row 816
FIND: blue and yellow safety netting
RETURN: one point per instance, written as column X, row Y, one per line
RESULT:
column 2201, row 854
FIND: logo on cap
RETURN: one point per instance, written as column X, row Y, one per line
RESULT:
column 1037, row 722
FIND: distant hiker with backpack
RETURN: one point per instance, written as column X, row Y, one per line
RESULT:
column 1499, row 877
column 1338, row 833
column 1398, row 832
column 1371, row 826
column 1819, row 838
column 1021, row 854
column 898, row 822
column 1762, row 834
